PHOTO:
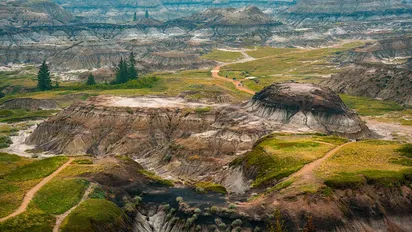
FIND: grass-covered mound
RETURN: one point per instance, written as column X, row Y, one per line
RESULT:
column 95, row 215
column 59, row 196
column 279, row 156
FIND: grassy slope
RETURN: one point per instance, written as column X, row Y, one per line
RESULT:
column 222, row 56
column 21, row 176
column 368, row 161
column 280, row 65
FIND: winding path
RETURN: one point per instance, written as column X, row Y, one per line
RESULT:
column 60, row 218
column 238, row 84
column 306, row 173
column 30, row 194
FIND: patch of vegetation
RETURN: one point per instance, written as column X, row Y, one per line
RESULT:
column 94, row 215
column 345, row 180
column 384, row 178
column 332, row 139
column 222, row 56
column 84, row 161
column 19, row 115
column 406, row 150
column 155, row 178
column 29, row 222
column 5, row 141
column 141, row 83
column 280, row 186
column 203, row 110
column 36, row 169
column 98, row 193
column 205, row 187
column 370, row 107
column 59, row 196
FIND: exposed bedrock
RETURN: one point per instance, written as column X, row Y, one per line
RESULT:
column 317, row 108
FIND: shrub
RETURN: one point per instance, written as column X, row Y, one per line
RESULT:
column 5, row 141
column 237, row 222
column 232, row 206
column 179, row 199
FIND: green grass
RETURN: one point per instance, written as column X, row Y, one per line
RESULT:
column 223, row 56
column 280, row 186
column 29, row 222
column 19, row 175
column 19, row 115
column 345, row 180
column 370, row 107
column 406, row 150
column 94, row 215
column 58, row 196
column 290, row 64
column 211, row 187
column 372, row 162
column 155, row 178
column 36, row 170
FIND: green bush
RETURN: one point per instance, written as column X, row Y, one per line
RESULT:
column 141, row 83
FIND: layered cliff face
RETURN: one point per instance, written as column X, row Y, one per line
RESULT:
column 378, row 70
column 121, row 11
column 335, row 10
column 27, row 13
column 375, row 81
column 200, row 137
column 310, row 106
column 158, row 46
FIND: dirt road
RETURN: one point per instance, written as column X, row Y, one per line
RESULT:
column 30, row 194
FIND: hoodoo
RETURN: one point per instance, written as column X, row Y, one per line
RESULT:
column 308, row 105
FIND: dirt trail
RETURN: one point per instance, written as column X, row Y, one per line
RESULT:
column 306, row 173
column 60, row 218
column 30, row 194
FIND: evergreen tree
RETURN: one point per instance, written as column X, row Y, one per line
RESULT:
column 91, row 80
column 276, row 224
column 43, row 78
column 146, row 15
column 131, row 69
column 121, row 72
column 134, row 17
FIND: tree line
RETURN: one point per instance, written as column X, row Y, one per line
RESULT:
column 125, row 71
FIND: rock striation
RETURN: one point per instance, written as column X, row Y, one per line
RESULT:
column 308, row 105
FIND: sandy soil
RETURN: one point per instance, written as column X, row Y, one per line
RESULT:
column 30, row 194
column 389, row 131
column 149, row 102
column 19, row 147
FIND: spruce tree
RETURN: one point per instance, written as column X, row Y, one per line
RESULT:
column 43, row 78
column 131, row 69
column 146, row 15
column 121, row 72
column 134, row 17
column 91, row 80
